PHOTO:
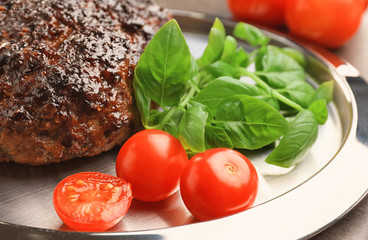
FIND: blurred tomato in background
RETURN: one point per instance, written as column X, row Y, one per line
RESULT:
column 267, row 12
column 329, row 23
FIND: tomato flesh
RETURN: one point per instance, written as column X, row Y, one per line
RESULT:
column 91, row 201
column 152, row 161
column 217, row 183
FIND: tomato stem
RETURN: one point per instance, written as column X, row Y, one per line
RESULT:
column 231, row 168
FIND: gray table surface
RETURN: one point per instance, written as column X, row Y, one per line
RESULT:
column 354, row 225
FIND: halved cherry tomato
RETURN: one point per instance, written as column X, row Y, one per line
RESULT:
column 330, row 23
column 268, row 12
column 152, row 161
column 217, row 183
column 91, row 201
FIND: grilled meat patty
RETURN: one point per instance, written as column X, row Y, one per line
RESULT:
column 66, row 69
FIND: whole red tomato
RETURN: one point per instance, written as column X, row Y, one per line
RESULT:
column 268, row 12
column 217, row 183
column 330, row 23
column 91, row 201
column 151, row 161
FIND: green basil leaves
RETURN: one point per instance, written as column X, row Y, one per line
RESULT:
column 206, row 103
column 158, row 66
column 300, row 136
column 216, row 41
column 249, row 122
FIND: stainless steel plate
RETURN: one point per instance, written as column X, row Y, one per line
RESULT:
column 292, row 203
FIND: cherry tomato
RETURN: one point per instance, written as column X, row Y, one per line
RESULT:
column 91, row 201
column 217, row 183
column 330, row 23
column 268, row 12
column 152, row 161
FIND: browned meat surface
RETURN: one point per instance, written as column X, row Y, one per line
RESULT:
column 66, row 68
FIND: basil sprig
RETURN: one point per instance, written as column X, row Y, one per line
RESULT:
column 205, row 104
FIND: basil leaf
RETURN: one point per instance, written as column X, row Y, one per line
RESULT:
column 216, row 41
column 278, row 68
column 319, row 109
column 193, row 103
column 253, row 35
column 241, row 58
column 229, row 51
column 296, row 54
column 249, row 122
column 297, row 141
column 224, row 87
column 171, row 125
column 216, row 137
column 193, row 68
column 219, row 69
column 217, row 24
column 156, row 116
column 191, row 128
column 324, row 91
column 203, row 79
column 142, row 100
column 299, row 92
column 165, row 66
column 270, row 100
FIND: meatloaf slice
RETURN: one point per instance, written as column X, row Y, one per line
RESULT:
column 66, row 69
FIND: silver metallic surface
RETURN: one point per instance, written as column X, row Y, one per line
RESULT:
column 307, row 205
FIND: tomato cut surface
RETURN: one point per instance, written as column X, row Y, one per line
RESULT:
column 152, row 161
column 91, row 201
column 217, row 183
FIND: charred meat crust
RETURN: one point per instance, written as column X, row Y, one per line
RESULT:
column 66, row 69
